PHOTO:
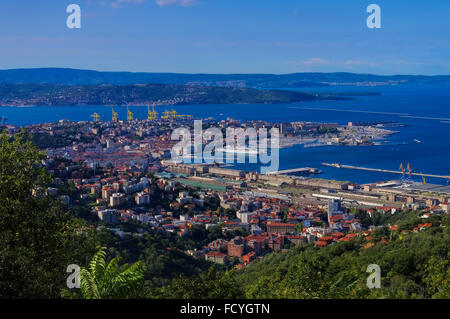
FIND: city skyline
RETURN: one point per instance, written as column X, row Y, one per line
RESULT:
column 224, row 154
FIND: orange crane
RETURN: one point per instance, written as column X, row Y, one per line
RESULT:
column 402, row 169
column 173, row 114
column 115, row 115
column 166, row 114
column 129, row 114
column 152, row 115
column 96, row 117
column 423, row 179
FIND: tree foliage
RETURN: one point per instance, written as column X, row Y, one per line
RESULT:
column 38, row 239
column 211, row 284
column 414, row 265
column 101, row 280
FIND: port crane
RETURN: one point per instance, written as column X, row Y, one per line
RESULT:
column 408, row 167
column 184, row 116
column 402, row 170
column 129, row 114
column 174, row 115
column 96, row 117
column 115, row 115
column 423, row 179
column 409, row 170
column 170, row 114
column 180, row 116
column 152, row 115
column 166, row 114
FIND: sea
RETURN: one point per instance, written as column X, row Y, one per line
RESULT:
column 423, row 141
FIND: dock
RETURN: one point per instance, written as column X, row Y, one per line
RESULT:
column 384, row 170
column 301, row 171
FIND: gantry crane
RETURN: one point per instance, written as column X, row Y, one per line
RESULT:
column 402, row 169
column 423, row 179
column 153, row 115
column 115, row 115
column 166, row 114
column 173, row 114
column 408, row 167
column 96, row 117
column 129, row 114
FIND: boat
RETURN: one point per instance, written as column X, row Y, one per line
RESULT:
column 417, row 141
column 332, row 165
column 240, row 150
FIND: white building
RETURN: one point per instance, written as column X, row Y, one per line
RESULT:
column 142, row 198
column 116, row 199
column 245, row 216
column 110, row 216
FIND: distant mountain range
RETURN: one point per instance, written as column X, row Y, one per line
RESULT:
column 145, row 94
column 89, row 77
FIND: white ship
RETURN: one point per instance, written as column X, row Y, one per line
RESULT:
column 240, row 150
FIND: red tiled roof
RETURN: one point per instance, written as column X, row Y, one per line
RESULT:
column 321, row 243
column 280, row 224
column 215, row 253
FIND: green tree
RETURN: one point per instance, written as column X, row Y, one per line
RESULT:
column 211, row 284
column 101, row 280
column 438, row 278
column 38, row 240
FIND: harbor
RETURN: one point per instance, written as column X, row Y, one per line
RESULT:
column 301, row 171
column 402, row 172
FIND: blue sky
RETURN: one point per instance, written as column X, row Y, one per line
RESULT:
column 228, row 36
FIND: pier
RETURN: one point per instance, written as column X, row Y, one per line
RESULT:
column 302, row 171
column 384, row 170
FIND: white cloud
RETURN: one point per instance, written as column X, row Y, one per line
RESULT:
column 359, row 62
column 161, row 3
column 403, row 62
column 314, row 61
column 183, row 3
column 118, row 3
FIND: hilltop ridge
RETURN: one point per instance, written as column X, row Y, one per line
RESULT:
column 69, row 76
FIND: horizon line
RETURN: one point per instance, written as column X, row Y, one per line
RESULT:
column 204, row 73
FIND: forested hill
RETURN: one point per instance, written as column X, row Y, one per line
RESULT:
column 413, row 264
column 143, row 94
column 306, row 79
column 413, row 261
